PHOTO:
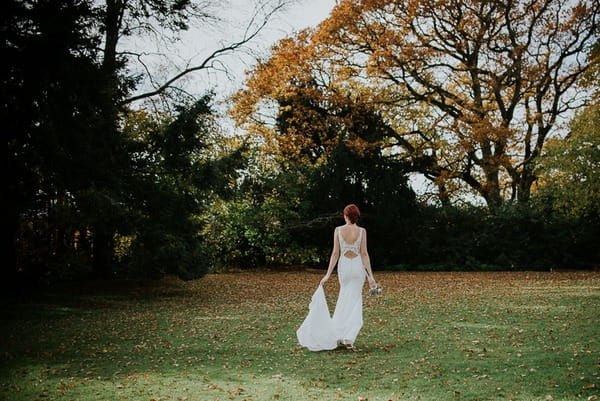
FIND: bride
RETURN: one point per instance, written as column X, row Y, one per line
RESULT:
column 320, row 331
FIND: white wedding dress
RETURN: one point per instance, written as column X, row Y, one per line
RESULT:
column 320, row 331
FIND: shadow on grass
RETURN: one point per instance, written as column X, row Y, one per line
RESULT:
column 468, row 338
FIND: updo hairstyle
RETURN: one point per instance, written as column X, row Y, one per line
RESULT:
column 351, row 211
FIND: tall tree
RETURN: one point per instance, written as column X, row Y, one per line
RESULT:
column 66, row 85
column 470, row 90
column 123, row 19
column 120, row 19
column 48, row 111
column 182, row 164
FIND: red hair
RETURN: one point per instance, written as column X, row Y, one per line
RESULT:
column 351, row 211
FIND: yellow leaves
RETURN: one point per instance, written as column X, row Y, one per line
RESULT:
column 232, row 393
column 211, row 386
column 270, row 78
column 343, row 12
column 360, row 146
column 484, row 130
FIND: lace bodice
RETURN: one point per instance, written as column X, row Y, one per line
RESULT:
column 346, row 247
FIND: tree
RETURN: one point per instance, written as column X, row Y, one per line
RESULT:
column 49, row 116
column 182, row 165
column 570, row 168
column 469, row 90
column 325, row 147
column 124, row 18
column 66, row 87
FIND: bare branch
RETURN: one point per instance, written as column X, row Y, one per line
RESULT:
column 209, row 62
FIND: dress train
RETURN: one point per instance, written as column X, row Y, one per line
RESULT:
column 320, row 331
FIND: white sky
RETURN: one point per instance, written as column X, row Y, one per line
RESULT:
column 167, row 58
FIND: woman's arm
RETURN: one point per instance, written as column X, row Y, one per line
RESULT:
column 364, row 254
column 335, row 254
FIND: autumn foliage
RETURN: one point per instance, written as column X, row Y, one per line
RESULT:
column 467, row 91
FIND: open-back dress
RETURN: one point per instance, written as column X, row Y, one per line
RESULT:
column 320, row 331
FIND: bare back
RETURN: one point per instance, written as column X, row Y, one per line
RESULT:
column 350, row 240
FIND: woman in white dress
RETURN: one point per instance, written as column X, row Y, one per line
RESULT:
column 319, row 331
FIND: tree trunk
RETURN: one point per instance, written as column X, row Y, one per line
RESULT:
column 112, row 25
column 102, row 234
column 491, row 188
column 492, row 196
column 524, row 185
column 444, row 194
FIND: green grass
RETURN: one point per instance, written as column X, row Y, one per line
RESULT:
column 431, row 336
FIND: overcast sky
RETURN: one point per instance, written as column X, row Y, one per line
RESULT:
column 164, row 59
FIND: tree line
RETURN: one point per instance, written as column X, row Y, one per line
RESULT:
column 468, row 94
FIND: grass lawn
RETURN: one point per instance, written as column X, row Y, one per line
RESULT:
column 431, row 336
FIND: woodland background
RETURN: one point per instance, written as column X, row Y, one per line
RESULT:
column 494, row 103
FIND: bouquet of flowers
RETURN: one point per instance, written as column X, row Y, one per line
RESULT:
column 375, row 291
